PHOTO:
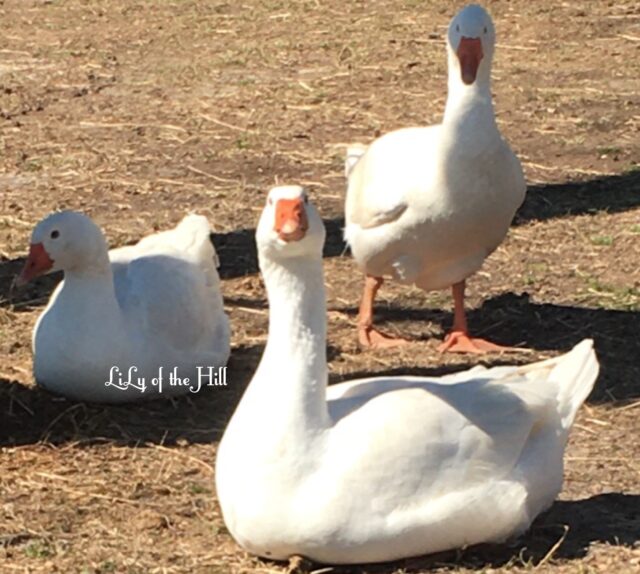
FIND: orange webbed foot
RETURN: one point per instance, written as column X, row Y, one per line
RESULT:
column 461, row 342
column 369, row 337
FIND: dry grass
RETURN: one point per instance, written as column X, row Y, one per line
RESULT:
column 137, row 112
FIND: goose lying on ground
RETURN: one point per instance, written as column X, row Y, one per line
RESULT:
column 155, row 305
column 382, row 468
column 427, row 205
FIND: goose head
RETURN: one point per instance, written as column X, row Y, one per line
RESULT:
column 290, row 226
column 66, row 240
column 470, row 44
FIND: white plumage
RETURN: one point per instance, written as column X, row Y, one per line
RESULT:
column 427, row 205
column 153, row 305
column 388, row 467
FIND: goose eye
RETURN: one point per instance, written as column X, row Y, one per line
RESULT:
column 485, row 29
column 55, row 234
column 457, row 28
column 306, row 199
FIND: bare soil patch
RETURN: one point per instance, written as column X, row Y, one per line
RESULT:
column 138, row 112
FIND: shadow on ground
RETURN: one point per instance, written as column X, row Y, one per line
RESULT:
column 238, row 255
column 29, row 414
column 610, row 194
column 514, row 320
column 236, row 250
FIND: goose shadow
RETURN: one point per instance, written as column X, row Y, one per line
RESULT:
column 515, row 320
column 611, row 194
column 563, row 533
column 27, row 412
column 236, row 250
column 238, row 255
column 30, row 414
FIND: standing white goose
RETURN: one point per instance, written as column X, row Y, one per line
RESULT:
column 427, row 205
column 155, row 305
column 383, row 468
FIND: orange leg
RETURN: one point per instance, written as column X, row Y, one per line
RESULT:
column 458, row 340
column 368, row 335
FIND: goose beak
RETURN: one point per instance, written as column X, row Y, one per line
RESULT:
column 291, row 219
column 38, row 263
column 469, row 54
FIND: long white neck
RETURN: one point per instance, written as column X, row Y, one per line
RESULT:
column 90, row 293
column 469, row 108
column 292, row 375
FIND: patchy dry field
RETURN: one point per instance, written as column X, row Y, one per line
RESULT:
column 139, row 111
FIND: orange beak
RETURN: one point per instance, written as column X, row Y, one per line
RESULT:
column 469, row 54
column 38, row 263
column 291, row 219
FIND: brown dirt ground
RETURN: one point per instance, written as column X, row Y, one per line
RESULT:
column 138, row 111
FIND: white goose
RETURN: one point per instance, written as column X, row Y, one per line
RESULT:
column 427, row 205
column 382, row 468
column 153, row 305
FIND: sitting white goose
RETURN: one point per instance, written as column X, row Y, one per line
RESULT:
column 427, row 205
column 155, row 305
column 382, row 468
